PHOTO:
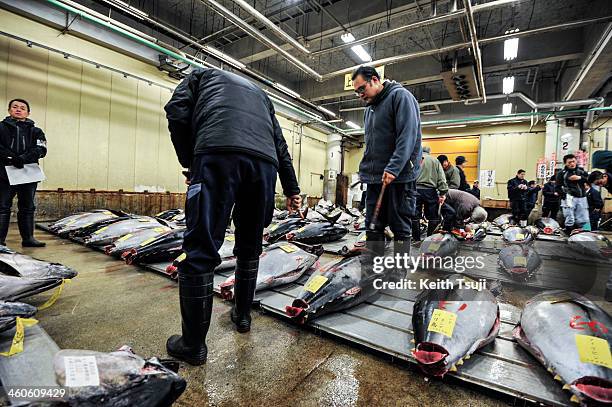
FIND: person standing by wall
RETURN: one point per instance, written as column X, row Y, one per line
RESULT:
column 532, row 195
column 233, row 155
column 391, row 158
column 550, row 207
column 431, row 190
column 517, row 194
column 475, row 189
column 460, row 164
column 596, row 204
column 453, row 178
column 21, row 143
column 571, row 187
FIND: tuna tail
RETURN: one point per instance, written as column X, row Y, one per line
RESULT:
column 431, row 358
column 333, row 219
column 594, row 388
column 227, row 290
column 297, row 310
column 171, row 270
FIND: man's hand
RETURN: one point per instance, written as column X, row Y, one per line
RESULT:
column 187, row 175
column 556, row 194
column 17, row 162
column 441, row 199
column 574, row 177
column 293, row 203
column 387, row 178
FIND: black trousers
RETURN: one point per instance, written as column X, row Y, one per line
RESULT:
column 450, row 217
column 397, row 209
column 550, row 209
column 220, row 182
column 519, row 209
column 25, row 198
column 427, row 203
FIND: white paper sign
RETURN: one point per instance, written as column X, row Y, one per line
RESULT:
column 487, row 178
column 541, row 170
column 81, row 371
column 29, row 173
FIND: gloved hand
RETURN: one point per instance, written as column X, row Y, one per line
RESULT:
column 17, row 162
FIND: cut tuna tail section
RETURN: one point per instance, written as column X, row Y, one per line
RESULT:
column 431, row 358
column 297, row 310
column 594, row 388
column 227, row 290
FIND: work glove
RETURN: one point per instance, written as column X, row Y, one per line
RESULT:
column 17, row 162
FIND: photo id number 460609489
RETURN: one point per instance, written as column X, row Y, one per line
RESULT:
column 35, row 393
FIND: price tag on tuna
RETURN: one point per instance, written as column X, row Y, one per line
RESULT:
column 180, row 258
column 159, row 230
column 601, row 243
column 592, row 349
column 300, row 230
column 273, row 228
column 97, row 232
column 433, row 247
column 146, row 242
column 520, row 261
column 126, row 237
column 363, row 238
column 287, row 248
column 81, row 371
column 230, row 238
column 442, row 322
column 520, row 236
column 315, row 283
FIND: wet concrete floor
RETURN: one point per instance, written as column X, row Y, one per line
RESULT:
column 110, row 304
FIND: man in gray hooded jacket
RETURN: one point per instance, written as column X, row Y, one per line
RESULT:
column 392, row 157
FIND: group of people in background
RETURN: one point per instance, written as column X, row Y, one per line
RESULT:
column 572, row 189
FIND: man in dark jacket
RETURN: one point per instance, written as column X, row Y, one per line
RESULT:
column 596, row 204
column 571, row 187
column 460, row 163
column 392, row 157
column 532, row 195
column 224, row 131
column 475, row 189
column 459, row 207
column 601, row 179
column 517, row 194
column 550, row 207
column 21, row 143
column 453, row 178
column 431, row 188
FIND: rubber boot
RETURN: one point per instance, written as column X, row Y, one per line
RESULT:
column 26, row 229
column 416, row 230
column 431, row 227
column 5, row 220
column 196, row 299
column 375, row 247
column 401, row 247
column 523, row 223
column 244, row 291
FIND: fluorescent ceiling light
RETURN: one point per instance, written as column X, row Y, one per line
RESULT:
column 352, row 125
column 224, row 57
column 347, row 37
column 361, row 53
column 286, row 90
column 127, row 8
column 511, row 46
column 507, row 109
column 329, row 112
column 454, row 126
column 508, row 85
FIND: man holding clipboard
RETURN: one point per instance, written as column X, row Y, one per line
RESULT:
column 22, row 144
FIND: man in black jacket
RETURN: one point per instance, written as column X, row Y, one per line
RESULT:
column 550, row 207
column 392, row 157
column 224, row 131
column 596, row 204
column 460, row 163
column 602, row 179
column 517, row 194
column 571, row 188
column 21, row 142
column 532, row 195
column 475, row 189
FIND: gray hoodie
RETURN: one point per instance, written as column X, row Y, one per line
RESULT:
column 392, row 136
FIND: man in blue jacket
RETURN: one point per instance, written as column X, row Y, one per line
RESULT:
column 392, row 157
column 224, row 130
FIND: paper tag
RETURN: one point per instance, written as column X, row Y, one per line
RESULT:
column 146, row 242
column 592, row 349
column 433, row 246
column 300, row 230
column 442, row 322
column 107, row 213
column 287, row 248
column 181, row 258
column 145, row 220
column 70, row 222
column 97, row 232
column 520, row 236
column 601, row 243
column 520, row 261
column 160, row 229
column 81, row 371
column 125, row 237
column 363, row 238
column 273, row 228
column 17, row 344
column 55, row 295
column 315, row 283
column 230, row 238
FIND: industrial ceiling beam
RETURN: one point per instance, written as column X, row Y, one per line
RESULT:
column 475, row 48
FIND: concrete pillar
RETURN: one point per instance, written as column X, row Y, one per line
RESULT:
column 561, row 139
column 334, row 164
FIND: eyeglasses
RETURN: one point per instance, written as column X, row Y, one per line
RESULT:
column 361, row 90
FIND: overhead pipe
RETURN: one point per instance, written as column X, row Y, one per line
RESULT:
column 475, row 48
column 255, row 33
column 275, row 29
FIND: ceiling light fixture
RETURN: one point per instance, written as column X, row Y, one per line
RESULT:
column 347, row 37
column 352, row 125
column 127, row 8
column 511, row 46
column 361, row 53
column 507, row 109
column 454, row 126
column 508, row 85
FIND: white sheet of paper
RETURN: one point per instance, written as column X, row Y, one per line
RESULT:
column 29, row 173
column 81, row 371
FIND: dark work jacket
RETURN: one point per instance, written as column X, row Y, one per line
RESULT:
column 514, row 193
column 463, row 185
column 475, row 191
column 213, row 110
column 549, row 194
column 532, row 194
column 392, row 136
column 594, row 199
column 20, row 139
column 574, row 188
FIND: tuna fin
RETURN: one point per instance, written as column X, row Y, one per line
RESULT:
column 575, row 399
column 460, row 362
column 550, row 370
column 566, row 387
column 453, row 368
column 558, row 378
column 333, row 219
column 467, row 357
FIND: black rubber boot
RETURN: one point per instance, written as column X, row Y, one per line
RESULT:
column 244, row 291
column 196, row 298
column 5, row 220
column 375, row 247
column 431, row 227
column 26, row 229
column 401, row 247
column 416, row 230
